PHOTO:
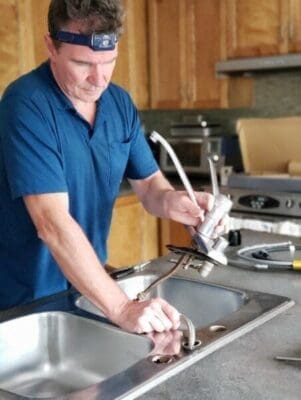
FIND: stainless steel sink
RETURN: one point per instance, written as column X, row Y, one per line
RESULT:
column 71, row 353
column 55, row 353
column 201, row 302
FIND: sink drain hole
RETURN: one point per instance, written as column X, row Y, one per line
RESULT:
column 217, row 328
column 162, row 359
column 196, row 344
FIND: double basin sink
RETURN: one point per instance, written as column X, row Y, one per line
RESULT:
column 68, row 350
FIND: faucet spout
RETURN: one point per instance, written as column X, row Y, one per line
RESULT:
column 203, row 236
column 191, row 343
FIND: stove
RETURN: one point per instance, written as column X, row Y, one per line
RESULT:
column 263, row 202
column 270, row 198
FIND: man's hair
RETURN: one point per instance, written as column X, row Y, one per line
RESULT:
column 100, row 16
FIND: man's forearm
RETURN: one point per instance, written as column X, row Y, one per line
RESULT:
column 73, row 252
column 152, row 193
column 81, row 266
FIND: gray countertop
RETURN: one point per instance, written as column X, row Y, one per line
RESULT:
column 245, row 369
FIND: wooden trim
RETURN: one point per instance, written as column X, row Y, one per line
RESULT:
column 164, row 225
column 26, row 39
column 153, row 62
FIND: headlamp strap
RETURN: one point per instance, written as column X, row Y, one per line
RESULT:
column 96, row 41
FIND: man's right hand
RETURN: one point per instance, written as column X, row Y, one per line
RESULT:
column 154, row 315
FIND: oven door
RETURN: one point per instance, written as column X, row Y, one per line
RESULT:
column 192, row 153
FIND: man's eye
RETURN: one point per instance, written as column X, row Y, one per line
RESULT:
column 81, row 63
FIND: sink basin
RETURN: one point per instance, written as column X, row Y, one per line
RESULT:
column 63, row 350
column 55, row 353
column 201, row 302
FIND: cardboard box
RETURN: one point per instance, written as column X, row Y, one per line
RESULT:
column 270, row 146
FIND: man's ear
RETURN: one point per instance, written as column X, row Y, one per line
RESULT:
column 51, row 49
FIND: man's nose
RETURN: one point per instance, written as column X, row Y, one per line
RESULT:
column 97, row 76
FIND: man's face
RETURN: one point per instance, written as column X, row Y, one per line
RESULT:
column 82, row 73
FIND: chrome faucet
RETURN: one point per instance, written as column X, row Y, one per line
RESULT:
column 204, row 237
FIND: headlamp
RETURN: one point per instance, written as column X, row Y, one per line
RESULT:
column 96, row 41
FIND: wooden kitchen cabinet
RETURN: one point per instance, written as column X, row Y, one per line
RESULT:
column 294, row 26
column 204, row 29
column 172, row 232
column 16, row 46
column 23, row 24
column 257, row 28
column 184, row 38
column 39, row 10
column 167, row 35
column 132, row 68
column 134, row 233
column 254, row 27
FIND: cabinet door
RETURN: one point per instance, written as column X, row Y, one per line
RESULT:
column 255, row 27
column 202, row 52
column 172, row 232
column 167, row 42
column 39, row 11
column 184, row 41
column 131, row 70
column 16, row 47
column 294, row 26
column 134, row 233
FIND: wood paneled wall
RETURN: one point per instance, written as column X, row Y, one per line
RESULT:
column 23, row 24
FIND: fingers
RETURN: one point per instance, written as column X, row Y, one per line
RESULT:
column 153, row 320
column 143, row 325
column 162, row 321
column 157, row 315
column 223, row 226
column 185, row 205
column 205, row 200
column 172, row 313
column 205, row 203
column 183, row 210
column 166, row 343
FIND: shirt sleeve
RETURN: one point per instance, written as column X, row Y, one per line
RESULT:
column 31, row 156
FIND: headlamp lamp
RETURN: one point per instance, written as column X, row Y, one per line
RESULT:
column 96, row 41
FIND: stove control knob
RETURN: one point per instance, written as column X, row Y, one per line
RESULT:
column 234, row 237
column 289, row 203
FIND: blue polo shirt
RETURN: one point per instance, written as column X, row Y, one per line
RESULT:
column 47, row 147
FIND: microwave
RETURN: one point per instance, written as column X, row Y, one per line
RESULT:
column 193, row 153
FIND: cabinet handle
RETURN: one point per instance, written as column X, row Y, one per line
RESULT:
column 282, row 32
column 291, row 31
column 291, row 22
column 183, row 92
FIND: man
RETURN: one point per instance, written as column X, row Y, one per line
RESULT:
column 68, row 137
